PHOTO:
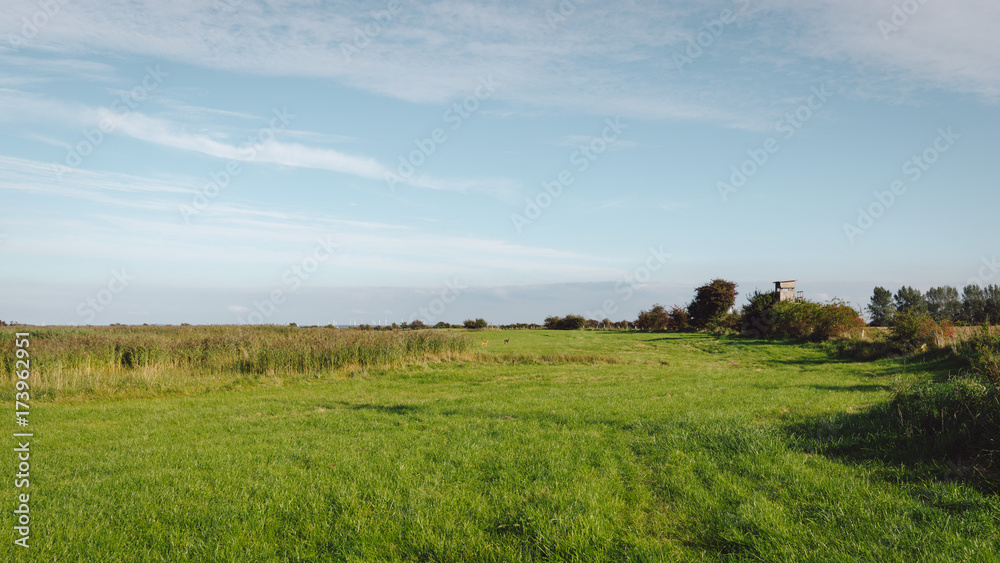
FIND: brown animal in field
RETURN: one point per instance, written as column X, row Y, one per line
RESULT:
column 485, row 342
column 507, row 341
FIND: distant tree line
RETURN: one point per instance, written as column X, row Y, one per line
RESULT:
column 977, row 305
column 764, row 316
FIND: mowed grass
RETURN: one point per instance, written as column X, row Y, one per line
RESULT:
column 631, row 447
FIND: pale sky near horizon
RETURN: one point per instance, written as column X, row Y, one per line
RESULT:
column 319, row 162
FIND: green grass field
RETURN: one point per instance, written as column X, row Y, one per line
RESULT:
column 560, row 446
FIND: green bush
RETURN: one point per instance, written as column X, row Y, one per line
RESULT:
column 712, row 300
column 836, row 319
column 913, row 331
column 757, row 315
column 807, row 320
column 983, row 354
column 678, row 319
column 654, row 319
column 955, row 420
column 869, row 349
column 569, row 322
column 726, row 323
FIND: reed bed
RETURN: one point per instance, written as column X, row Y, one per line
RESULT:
column 132, row 360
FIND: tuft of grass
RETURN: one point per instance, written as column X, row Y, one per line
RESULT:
column 982, row 351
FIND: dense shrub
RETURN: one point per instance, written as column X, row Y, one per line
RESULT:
column 725, row 323
column 982, row 351
column 569, row 322
column 836, row 319
column 654, row 319
column 757, row 315
column 874, row 347
column 952, row 421
column 678, row 319
column 711, row 300
column 478, row 323
column 807, row 320
column 913, row 331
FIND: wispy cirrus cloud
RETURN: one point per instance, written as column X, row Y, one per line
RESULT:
column 20, row 105
column 170, row 134
column 162, row 132
column 598, row 59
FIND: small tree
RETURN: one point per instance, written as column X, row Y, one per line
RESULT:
column 653, row 319
column 478, row 323
column 712, row 300
column 909, row 301
column 881, row 308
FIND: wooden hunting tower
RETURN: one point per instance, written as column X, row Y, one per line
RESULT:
column 786, row 290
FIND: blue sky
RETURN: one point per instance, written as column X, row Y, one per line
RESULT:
column 318, row 162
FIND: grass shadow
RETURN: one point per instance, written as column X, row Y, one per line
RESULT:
column 389, row 409
column 849, row 388
column 878, row 435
